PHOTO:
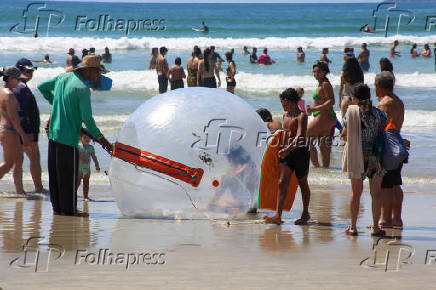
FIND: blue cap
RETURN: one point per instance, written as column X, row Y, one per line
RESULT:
column 25, row 63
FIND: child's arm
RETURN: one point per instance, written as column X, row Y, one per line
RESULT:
column 94, row 158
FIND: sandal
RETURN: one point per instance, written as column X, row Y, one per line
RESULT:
column 349, row 232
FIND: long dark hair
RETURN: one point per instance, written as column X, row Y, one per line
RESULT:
column 352, row 72
column 413, row 47
column 206, row 53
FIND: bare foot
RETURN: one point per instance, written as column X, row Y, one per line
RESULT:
column 275, row 219
column 305, row 217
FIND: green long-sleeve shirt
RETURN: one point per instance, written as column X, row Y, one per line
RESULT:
column 71, row 100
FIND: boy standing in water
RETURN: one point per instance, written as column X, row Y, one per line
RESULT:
column 294, row 156
column 86, row 152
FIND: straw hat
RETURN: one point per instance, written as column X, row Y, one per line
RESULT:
column 91, row 61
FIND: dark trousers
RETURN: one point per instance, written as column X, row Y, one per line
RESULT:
column 178, row 84
column 163, row 83
column 63, row 162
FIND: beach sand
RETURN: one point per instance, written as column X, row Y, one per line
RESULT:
column 219, row 254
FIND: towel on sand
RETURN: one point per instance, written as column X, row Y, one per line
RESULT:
column 352, row 158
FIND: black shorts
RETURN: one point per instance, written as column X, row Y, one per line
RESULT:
column 392, row 178
column 231, row 84
column 298, row 161
column 163, row 83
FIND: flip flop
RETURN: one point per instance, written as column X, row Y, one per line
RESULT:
column 397, row 227
column 348, row 232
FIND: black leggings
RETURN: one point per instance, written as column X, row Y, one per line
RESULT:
column 63, row 163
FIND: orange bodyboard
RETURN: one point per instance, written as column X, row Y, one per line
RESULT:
column 269, row 177
column 158, row 163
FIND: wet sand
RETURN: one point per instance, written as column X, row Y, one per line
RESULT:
column 220, row 254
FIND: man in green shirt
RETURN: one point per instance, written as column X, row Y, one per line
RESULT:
column 70, row 97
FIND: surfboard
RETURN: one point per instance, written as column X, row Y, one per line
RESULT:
column 199, row 30
column 269, row 177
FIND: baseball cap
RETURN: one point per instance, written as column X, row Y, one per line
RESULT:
column 25, row 63
column 13, row 71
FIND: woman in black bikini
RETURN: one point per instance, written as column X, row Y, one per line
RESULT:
column 10, row 128
column 231, row 71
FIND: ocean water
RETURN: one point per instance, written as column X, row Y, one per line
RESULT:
column 279, row 27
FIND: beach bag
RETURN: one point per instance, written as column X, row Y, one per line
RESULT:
column 394, row 151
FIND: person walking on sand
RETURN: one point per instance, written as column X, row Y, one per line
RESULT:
column 392, row 194
column 30, row 122
column 362, row 124
column 176, row 74
column 324, row 118
column 10, row 127
column 70, row 97
column 162, row 70
column 294, row 157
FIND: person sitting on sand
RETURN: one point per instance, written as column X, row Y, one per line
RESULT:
column 363, row 57
column 324, row 118
column 293, row 157
column 362, row 123
column 273, row 125
column 176, row 74
column 300, row 55
column 264, row 58
column 393, row 52
column 253, row 55
column 427, row 51
column 324, row 57
column 86, row 152
column 106, row 56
